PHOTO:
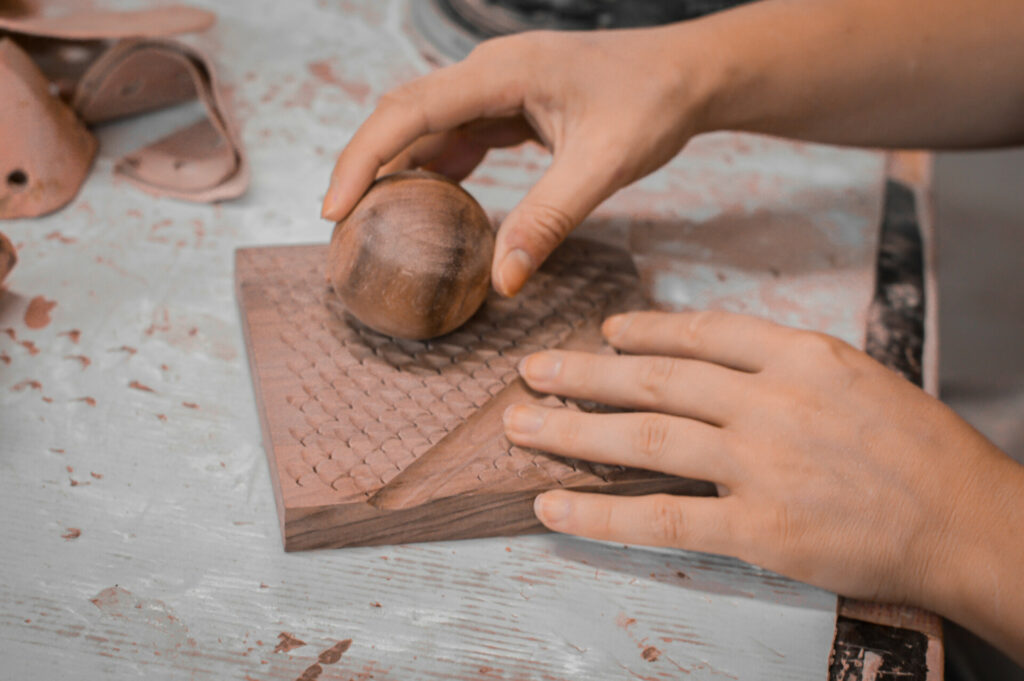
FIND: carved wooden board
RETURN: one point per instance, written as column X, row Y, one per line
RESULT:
column 376, row 440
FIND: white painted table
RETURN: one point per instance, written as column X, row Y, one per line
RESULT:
column 139, row 534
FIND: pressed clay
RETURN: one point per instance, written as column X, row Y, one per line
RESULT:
column 201, row 162
column 46, row 149
column 373, row 439
column 413, row 258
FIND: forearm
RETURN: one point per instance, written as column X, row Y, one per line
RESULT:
column 913, row 74
column 980, row 583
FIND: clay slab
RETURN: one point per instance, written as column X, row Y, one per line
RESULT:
column 377, row 440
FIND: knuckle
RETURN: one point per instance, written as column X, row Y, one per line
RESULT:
column 568, row 431
column 654, row 374
column 549, row 224
column 668, row 520
column 817, row 346
column 405, row 100
column 697, row 327
column 651, row 437
column 394, row 99
column 494, row 47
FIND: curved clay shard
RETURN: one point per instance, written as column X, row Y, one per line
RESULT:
column 202, row 162
column 46, row 151
column 112, row 25
column 8, row 257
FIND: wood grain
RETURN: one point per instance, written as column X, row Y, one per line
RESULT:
column 413, row 258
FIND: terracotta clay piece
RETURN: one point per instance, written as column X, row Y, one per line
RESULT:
column 413, row 259
column 8, row 257
column 201, row 162
column 47, row 151
column 373, row 439
column 111, row 25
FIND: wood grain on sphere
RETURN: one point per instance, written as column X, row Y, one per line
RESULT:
column 413, row 258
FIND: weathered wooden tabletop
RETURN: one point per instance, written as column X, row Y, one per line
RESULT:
column 140, row 534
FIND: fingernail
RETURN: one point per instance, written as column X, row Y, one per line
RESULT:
column 327, row 208
column 613, row 326
column 513, row 271
column 523, row 418
column 552, row 509
column 541, row 366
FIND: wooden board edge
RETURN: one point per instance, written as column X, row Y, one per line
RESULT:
column 261, row 407
column 448, row 518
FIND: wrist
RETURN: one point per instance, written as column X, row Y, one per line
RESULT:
column 974, row 577
column 699, row 71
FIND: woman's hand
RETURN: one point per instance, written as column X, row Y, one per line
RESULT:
column 833, row 469
column 610, row 106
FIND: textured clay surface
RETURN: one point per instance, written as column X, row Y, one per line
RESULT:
column 346, row 410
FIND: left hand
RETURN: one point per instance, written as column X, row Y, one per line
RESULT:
column 833, row 469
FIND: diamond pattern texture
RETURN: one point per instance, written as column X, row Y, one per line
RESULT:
column 346, row 409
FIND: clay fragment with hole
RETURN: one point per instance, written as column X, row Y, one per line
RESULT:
column 46, row 149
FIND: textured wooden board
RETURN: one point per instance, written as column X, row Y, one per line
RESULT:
column 375, row 440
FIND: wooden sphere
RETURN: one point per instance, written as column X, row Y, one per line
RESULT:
column 413, row 258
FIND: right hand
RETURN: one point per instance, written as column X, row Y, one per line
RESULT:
column 610, row 106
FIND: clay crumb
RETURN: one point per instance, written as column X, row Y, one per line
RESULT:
column 73, row 335
column 34, row 385
column 334, row 653
column 82, row 359
column 311, row 673
column 651, row 654
column 72, row 533
column 91, row 401
column 138, row 386
column 376, row 604
column 98, row 476
column 37, row 314
column 190, row 405
column 286, row 642
column 57, row 236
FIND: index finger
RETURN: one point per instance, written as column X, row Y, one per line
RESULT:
column 474, row 88
column 738, row 341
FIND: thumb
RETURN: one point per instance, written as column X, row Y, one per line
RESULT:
column 570, row 189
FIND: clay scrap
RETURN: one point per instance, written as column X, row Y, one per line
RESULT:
column 375, row 440
column 201, row 162
column 8, row 257
column 47, row 151
column 111, row 25
column 103, row 81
